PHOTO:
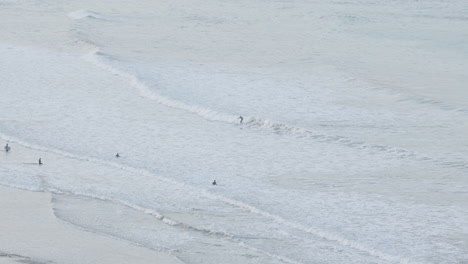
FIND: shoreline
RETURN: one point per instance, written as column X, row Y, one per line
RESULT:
column 32, row 233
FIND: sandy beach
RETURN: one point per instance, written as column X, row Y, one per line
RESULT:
column 30, row 233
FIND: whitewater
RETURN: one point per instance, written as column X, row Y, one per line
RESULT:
column 352, row 149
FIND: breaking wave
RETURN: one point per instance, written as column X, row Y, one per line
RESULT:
column 97, row 58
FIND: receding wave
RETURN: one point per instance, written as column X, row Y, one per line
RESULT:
column 171, row 222
column 21, row 258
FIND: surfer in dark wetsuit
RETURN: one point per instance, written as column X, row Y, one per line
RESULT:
column 7, row 148
column 40, row 161
column 241, row 119
column 117, row 155
column 214, row 182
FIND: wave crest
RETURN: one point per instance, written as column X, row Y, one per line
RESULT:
column 84, row 14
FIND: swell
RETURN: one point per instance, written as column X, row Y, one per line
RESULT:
column 88, row 14
column 229, row 201
column 432, row 102
column 422, row 100
column 96, row 57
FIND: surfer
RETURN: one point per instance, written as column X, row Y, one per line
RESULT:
column 214, row 182
column 40, row 161
column 241, row 119
column 7, row 148
column 117, row 155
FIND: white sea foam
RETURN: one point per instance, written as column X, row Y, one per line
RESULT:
column 346, row 153
column 322, row 234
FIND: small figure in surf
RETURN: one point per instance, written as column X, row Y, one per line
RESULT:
column 40, row 161
column 117, row 155
column 241, row 119
column 7, row 148
column 214, row 182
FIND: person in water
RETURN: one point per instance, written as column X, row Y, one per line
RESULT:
column 214, row 182
column 40, row 161
column 241, row 119
column 7, row 148
column 117, row 155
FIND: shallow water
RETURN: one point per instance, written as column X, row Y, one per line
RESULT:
column 348, row 153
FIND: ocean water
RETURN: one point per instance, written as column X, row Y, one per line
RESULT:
column 353, row 147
